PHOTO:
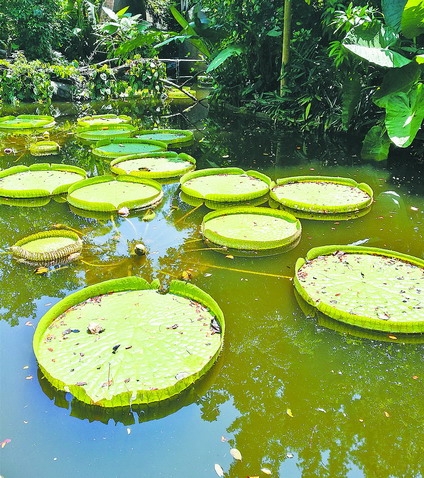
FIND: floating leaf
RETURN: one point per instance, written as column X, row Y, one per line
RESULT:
column 140, row 357
column 229, row 256
column 235, row 454
column 289, row 412
column 41, row 270
column 223, row 439
column 113, row 148
column 168, row 136
column 289, row 455
column 28, row 323
column 29, row 377
column 387, row 414
column 218, row 469
column 267, row 471
column 98, row 120
column 26, row 122
column 97, row 132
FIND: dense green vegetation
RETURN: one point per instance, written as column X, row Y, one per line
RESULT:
column 347, row 66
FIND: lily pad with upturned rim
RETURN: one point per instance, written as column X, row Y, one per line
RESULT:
column 113, row 148
column 215, row 205
column 39, row 180
column 168, row 136
column 48, row 246
column 315, row 216
column 121, row 342
column 26, row 122
column 100, row 132
column 109, row 193
column 322, row 194
column 44, row 148
column 225, row 184
column 154, row 165
column 103, row 120
column 367, row 287
column 251, row 228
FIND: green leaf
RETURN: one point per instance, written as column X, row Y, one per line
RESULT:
column 187, row 28
column 275, row 32
column 110, row 13
column 351, row 95
column 419, row 59
column 376, row 144
column 122, row 12
column 413, row 18
column 404, row 114
column 392, row 11
column 223, row 55
column 398, row 79
column 371, row 42
column 134, row 346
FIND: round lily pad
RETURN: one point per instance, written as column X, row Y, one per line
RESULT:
column 103, row 120
column 322, row 194
column 316, row 216
column 168, row 136
column 364, row 286
column 48, row 246
column 38, row 180
column 109, row 193
column 44, row 148
column 251, row 228
column 99, row 132
column 225, row 184
column 192, row 201
column 123, row 342
column 154, row 165
column 175, row 93
column 26, row 122
column 113, row 148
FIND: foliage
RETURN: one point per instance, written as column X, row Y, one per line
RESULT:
column 23, row 80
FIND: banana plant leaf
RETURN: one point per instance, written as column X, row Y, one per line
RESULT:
column 48, row 246
column 251, row 228
column 107, row 193
column 363, row 286
column 38, row 180
column 26, row 122
column 322, row 194
column 154, row 165
column 121, row 342
column 113, row 148
column 225, row 184
column 99, row 120
column 169, row 136
column 44, row 148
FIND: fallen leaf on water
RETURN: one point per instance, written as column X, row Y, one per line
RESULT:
column 413, row 208
column 393, row 337
column 41, row 270
column 25, row 421
column 26, row 366
column 129, row 431
column 289, row 412
column 289, row 455
column 149, row 215
column 5, row 442
column 235, row 454
column 361, row 420
column 267, row 471
column 415, row 377
column 29, row 377
column 207, row 274
column 387, row 414
column 223, row 438
column 28, row 323
column 229, row 256
column 219, row 470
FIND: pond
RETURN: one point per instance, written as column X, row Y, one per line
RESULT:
column 296, row 396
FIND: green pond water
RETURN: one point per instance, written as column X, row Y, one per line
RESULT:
column 289, row 392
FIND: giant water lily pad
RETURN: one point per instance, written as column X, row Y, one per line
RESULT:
column 121, row 342
column 113, row 148
column 48, row 246
column 225, row 184
column 26, row 122
column 44, row 148
column 98, row 132
column 196, row 202
column 168, row 136
column 154, row 165
column 107, row 193
column 322, row 194
column 364, row 286
column 103, row 120
column 251, row 228
column 38, row 180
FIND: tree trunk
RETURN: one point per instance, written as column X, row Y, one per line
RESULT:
column 285, row 54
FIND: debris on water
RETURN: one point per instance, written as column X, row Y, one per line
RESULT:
column 124, row 212
column 215, row 327
column 115, row 348
column 94, row 328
